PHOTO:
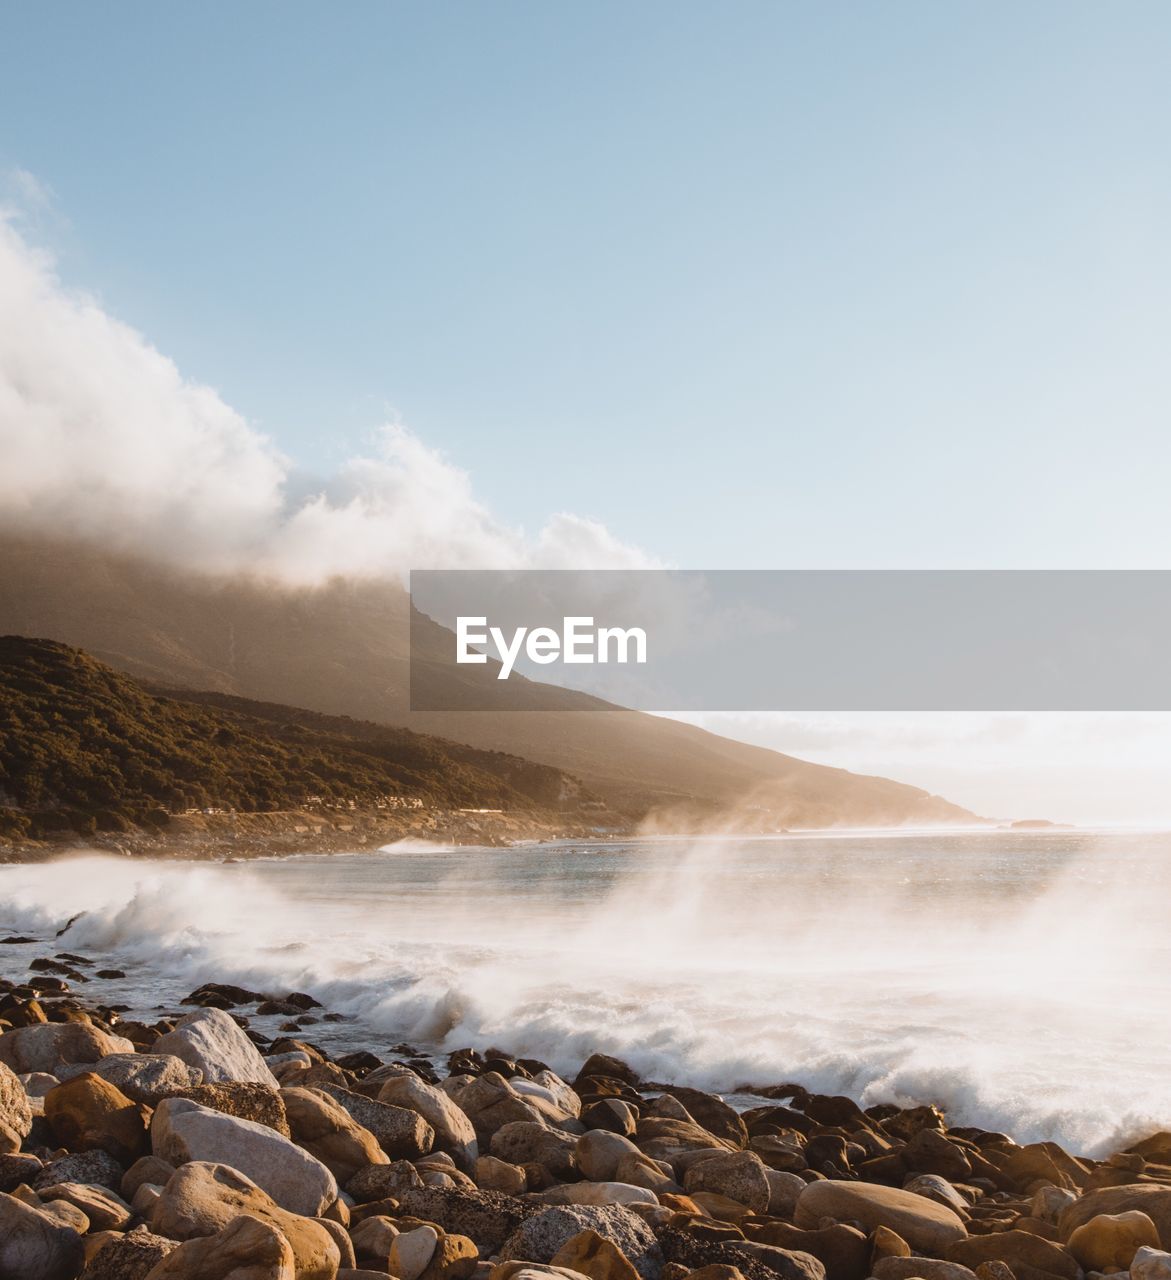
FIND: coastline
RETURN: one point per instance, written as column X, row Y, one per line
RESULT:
column 157, row 1150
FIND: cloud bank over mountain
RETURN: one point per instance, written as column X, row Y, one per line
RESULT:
column 104, row 438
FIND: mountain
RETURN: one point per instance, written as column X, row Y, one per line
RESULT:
column 343, row 649
column 86, row 748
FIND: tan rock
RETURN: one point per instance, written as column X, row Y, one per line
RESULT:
column 454, row 1258
column 1152, row 1199
column 125, row 1257
column 16, row 1117
column 492, row 1174
column 34, row 1243
column 90, row 1114
column 922, row 1223
column 211, row 1041
column 246, row 1249
column 454, row 1131
column 1109, row 1241
column 594, row 1256
column 1019, row 1249
column 327, row 1130
column 738, row 1175
column 105, row 1210
column 51, row 1045
column 411, row 1252
column 201, row 1199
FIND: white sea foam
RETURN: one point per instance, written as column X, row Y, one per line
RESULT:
column 1019, row 982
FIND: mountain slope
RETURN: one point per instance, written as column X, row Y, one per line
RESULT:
column 344, row 649
column 85, row 747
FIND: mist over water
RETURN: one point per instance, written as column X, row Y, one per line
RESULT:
column 1021, row 981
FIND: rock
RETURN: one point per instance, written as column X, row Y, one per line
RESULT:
column 937, row 1188
column 598, row 1193
column 783, row 1192
column 642, row 1171
column 1044, row 1162
column 16, row 1168
column 921, row 1268
column 593, row 1255
column 327, row 1131
column 530, row 1271
column 1150, row 1198
column 490, row 1102
column 491, row 1174
column 243, row 1099
column 97, row 1168
column 1156, row 1148
column 401, row 1132
column 16, row 1116
column 930, row 1152
column 713, row 1114
column 341, row 1236
column 1110, row 1240
column 739, row 1175
column 922, row 1223
column 540, row 1237
column 454, row 1131
column 246, row 1249
column 1022, row 1250
column 105, row 1210
column 1150, row 1264
column 599, row 1152
column 611, row 1114
column 843, row 1251
column 1049, row 1202
column 486, row 1216
column 52, row 1046
column 142, row 1077
column 210, row 1041
column 383, row 1181
column 183, row 1131
column 150, row 1169
column 528, row 1142
column 788, row 1264
column 455, row 1258
column 201, row 1199
column 372, row 1238
column 38, row 1083
column 128, row 1257
column 88, row 1114
column 995, row 1270
column 34, row 1243
column 607, row 1068
column 411, row 1252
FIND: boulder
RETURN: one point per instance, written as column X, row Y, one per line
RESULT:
column 738, row 1175
column 712, row 1113
column 486, row 1216
column 1151, row 1198
column 149, row 1170
column 490, row 1102
column 599, row 1152
column 1150, row 1264
column 210, row 1041
column 383, row 1181
column 34, row 1243
column 142, row 1077
column 98, row 1168
column 783, row 1192
column 105, row 1210
column 128, row 1257
column 201, row 1199
column 594, row 1256
column 402, row 1132
column 530, row 1271
column 540, row 1238
column 934, row 1187
column 598, row 1193
column 52, row 1046
column 243, row 1099
column 1110, row 1240
column 921, row 1268
column 411, row 1252
column 183, row 1131
column 491, row 1174
column 90, row 1114
column 930, row 1152
column 327, row 1131
column 16, row 1116
column 922, row 1223
column 16, row 1168
column 843, row 1251
column 454, row 1131
column 528, row 1142
column 246, row 1249
column 1022, row 1250
column 455, row 1258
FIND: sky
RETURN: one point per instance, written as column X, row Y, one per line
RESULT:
column 736, row 286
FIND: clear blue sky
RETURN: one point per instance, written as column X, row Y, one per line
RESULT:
column 753, row 283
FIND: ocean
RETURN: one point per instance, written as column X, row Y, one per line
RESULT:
column 1020, row 980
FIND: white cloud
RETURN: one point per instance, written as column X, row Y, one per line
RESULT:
column 102, row 437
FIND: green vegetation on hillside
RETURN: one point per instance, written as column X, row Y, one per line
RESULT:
column 85, row 748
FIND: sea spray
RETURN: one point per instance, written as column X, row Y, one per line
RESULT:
column 1009, row 978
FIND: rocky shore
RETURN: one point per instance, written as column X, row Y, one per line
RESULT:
column 200, row 836
column 196, row 1148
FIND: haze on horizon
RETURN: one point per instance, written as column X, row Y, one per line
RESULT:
column 834, row 289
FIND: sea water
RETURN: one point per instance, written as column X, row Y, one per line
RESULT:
column 1020, row 980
